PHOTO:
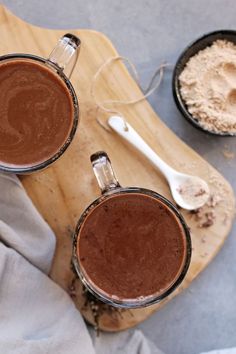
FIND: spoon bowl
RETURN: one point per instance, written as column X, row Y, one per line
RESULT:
column 189, row 192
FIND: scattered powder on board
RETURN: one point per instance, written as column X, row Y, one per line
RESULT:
column 208, row 87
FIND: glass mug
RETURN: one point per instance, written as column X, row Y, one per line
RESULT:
column 63, row 56
column 111, row 188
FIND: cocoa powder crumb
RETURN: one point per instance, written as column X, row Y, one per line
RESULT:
column 213, row 201
column 200, row 192
column 209, row 219
column 207, row 223
column 205, row 218
column 229, row 155
column 91, row 303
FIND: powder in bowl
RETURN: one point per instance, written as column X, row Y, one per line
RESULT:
column 208, row 87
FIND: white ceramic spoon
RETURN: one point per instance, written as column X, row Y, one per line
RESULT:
column 189, row 192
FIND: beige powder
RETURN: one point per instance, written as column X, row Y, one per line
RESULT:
column 194, row 192
column 208, row 87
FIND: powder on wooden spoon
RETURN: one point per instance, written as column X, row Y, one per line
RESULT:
column 208, row 87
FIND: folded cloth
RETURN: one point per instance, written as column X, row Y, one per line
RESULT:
column 222, row 351
column 36, row 315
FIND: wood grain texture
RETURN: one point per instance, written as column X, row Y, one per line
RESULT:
column 63, row 191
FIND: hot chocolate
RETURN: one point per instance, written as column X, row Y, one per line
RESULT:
column 131, row 245
column 36, row 113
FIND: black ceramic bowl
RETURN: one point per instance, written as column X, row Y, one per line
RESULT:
column 192, row 49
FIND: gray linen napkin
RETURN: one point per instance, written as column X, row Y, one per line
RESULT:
column 222, row 351
column 36, row 315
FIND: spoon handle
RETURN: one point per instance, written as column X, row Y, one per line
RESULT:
column 117, row 124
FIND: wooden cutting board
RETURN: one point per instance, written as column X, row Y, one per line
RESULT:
column 63, row 191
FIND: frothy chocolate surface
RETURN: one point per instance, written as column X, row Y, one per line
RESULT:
column 36, row 113
column 132, row 245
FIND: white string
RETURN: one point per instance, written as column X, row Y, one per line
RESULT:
column 146, row 93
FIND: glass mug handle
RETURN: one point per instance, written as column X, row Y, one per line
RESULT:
column 66, row 49
column 103, row 171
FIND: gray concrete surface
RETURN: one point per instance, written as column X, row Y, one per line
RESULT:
column 148, row 31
